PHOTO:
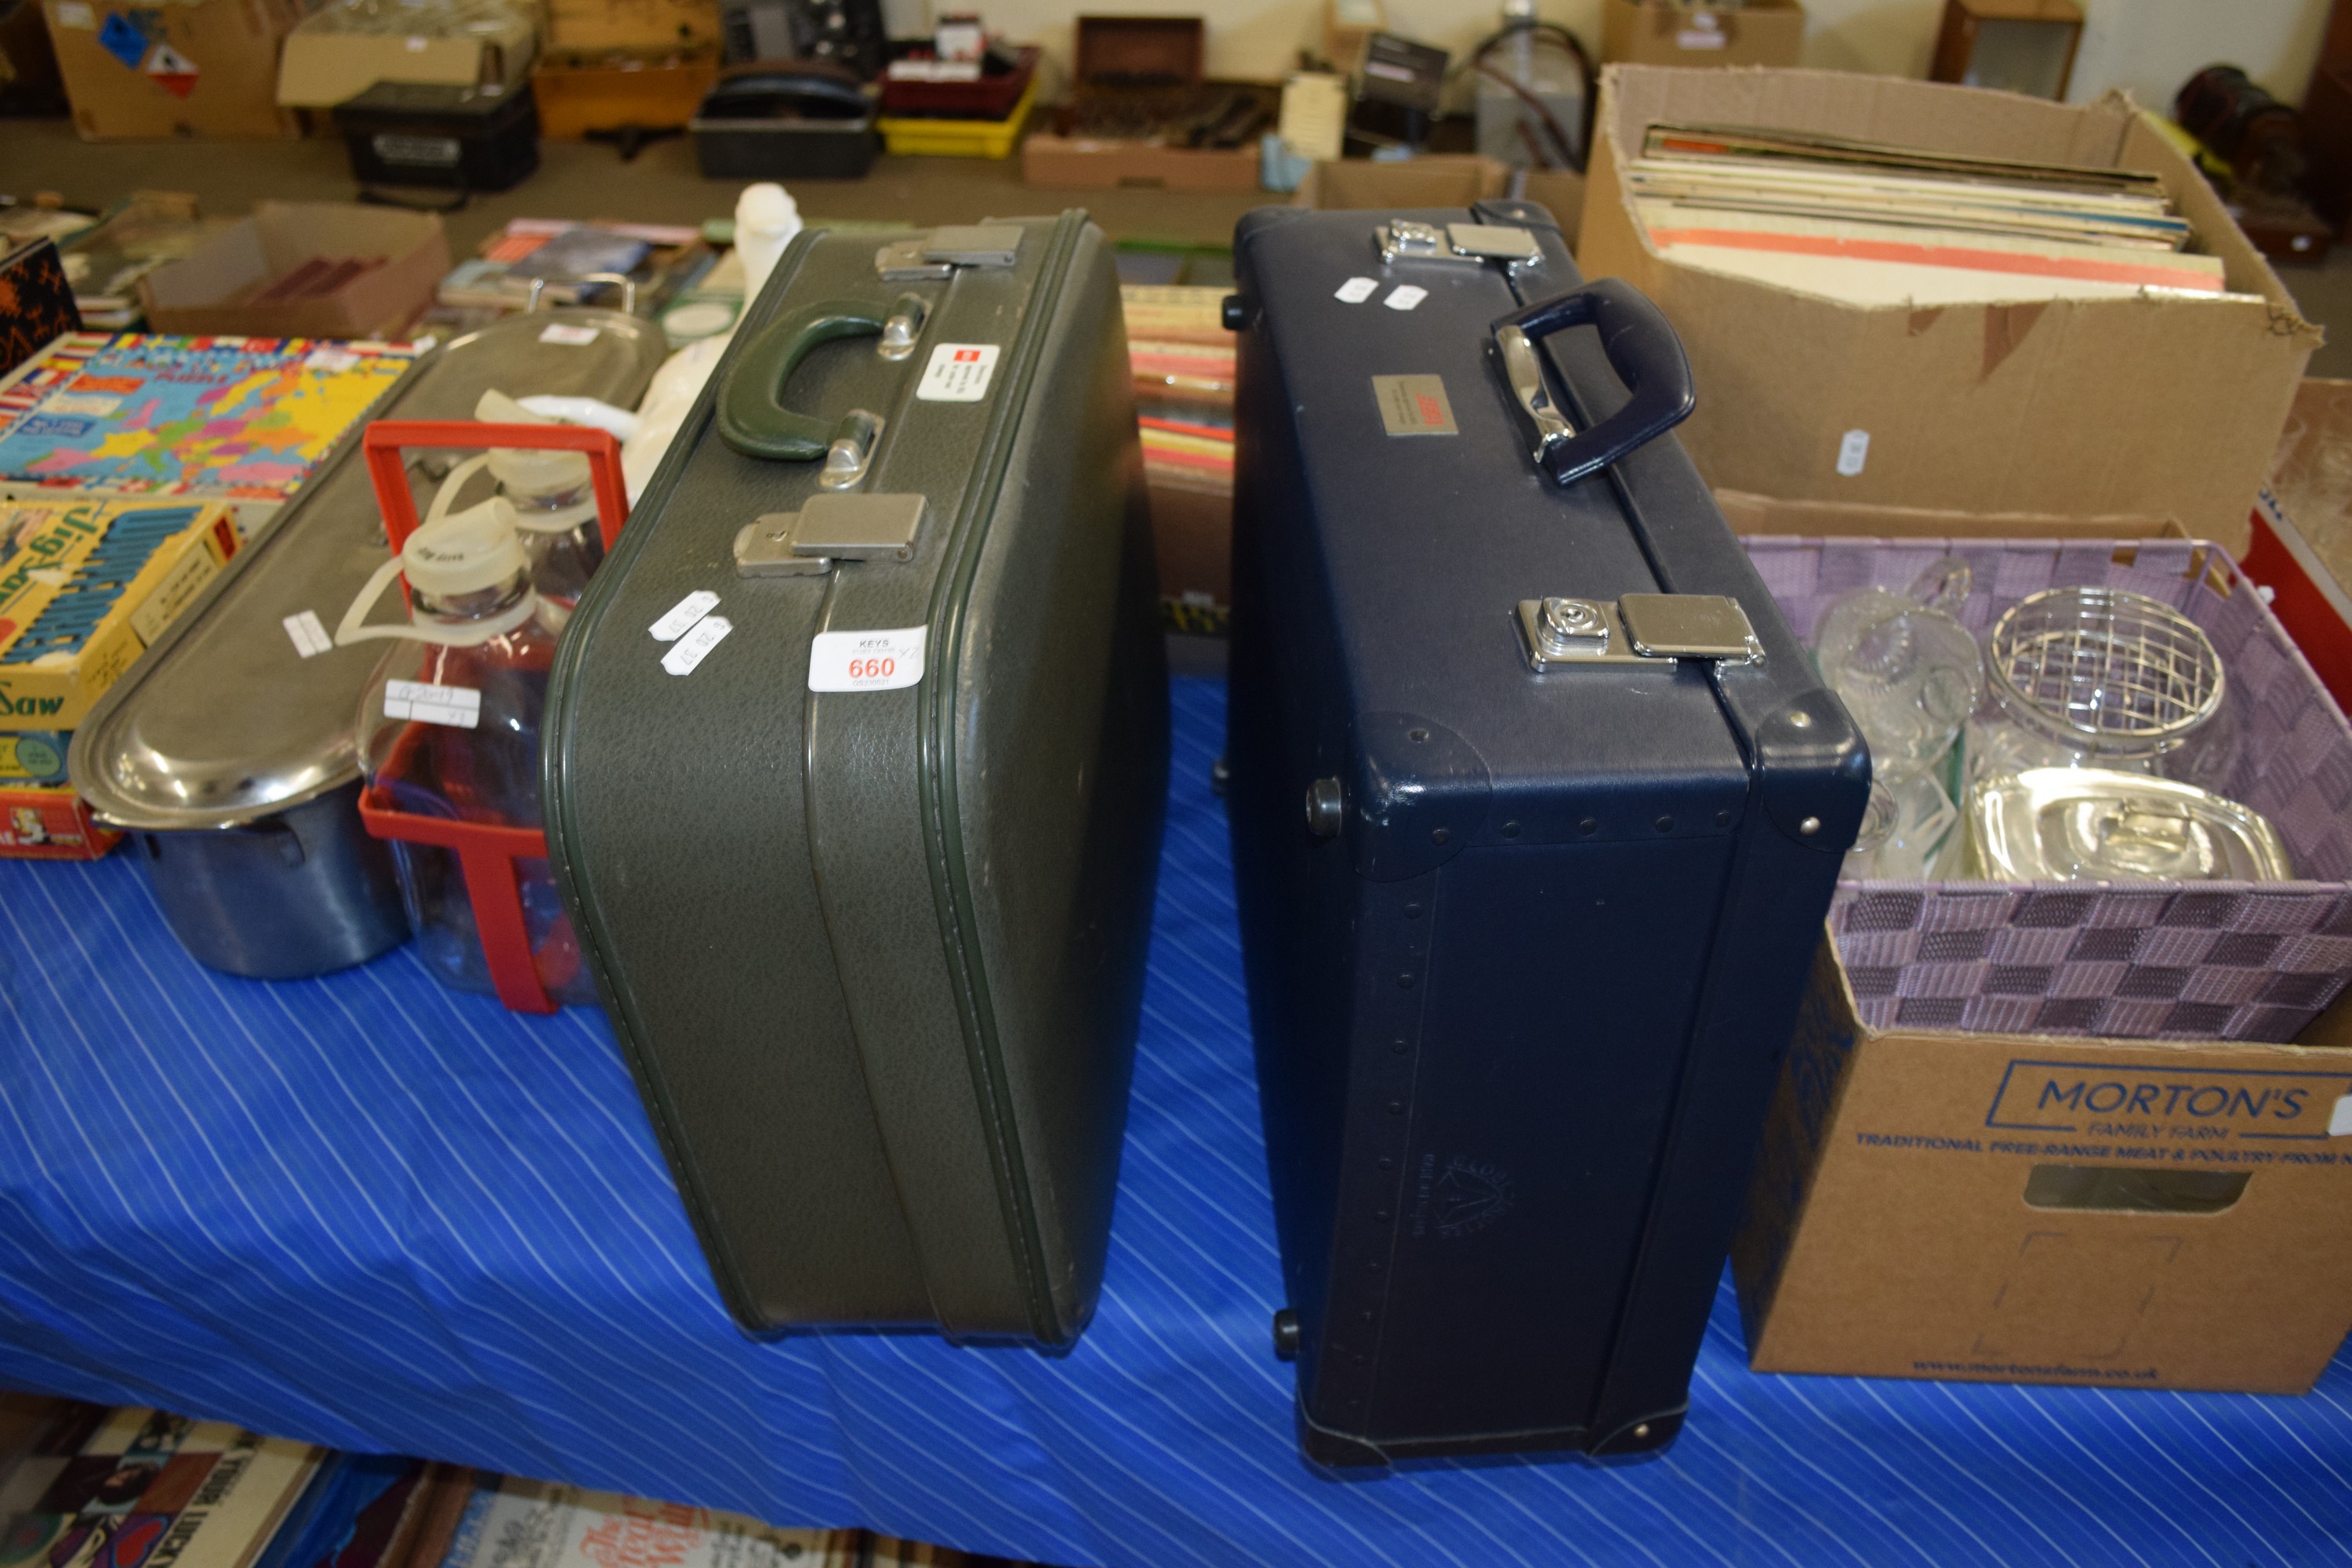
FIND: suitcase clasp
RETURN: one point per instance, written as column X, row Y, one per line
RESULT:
column 1473, row 243
column 829, row 528
column 1638, row 629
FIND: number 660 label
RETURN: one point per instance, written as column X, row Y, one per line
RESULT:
column 866, row 661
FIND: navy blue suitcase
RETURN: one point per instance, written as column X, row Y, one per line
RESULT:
column 1537, row 806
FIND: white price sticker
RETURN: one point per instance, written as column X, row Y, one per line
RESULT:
column 1852, row 451
column 866, row 662
column 1356, row 291
column 958, row 372
column 2339, row 1117
column 76, row 14
column 415, row 44
column 331, row 362
column 564, row 333
column 310, row 633
column 696, row 644
column 459, row 706
column 99, row 402
column 682, row 615
column 1700, row 38
column 1405, row 296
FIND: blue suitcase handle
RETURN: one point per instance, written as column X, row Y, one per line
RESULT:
column 1643, row 349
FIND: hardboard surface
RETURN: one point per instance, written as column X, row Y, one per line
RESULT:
column 367, row 1211
column 584, row 179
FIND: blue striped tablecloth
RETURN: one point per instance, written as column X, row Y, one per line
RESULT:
column 370, row 1213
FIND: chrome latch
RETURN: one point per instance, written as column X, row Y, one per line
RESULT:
column 850, row 454
column 1408, row 239
column 930, row 257
column 905, row 325
column 1524, row 370
column 829, row 528
column 1636, row 628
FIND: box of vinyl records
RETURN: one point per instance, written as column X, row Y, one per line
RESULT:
column 1908, row 294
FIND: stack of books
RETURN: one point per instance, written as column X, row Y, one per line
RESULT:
column 87, row 1487
column 1874, row 224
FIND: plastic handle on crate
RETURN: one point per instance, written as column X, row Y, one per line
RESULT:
column 384, row 440
column 753, row 417
column 1643, row 349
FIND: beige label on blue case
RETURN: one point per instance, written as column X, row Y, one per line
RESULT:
column 1414, row 406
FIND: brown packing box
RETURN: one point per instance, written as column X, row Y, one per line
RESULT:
column 2147, row 405
column 1440, row 180
column 598, row 24
column 1749, row 513
column 324, row 65
column 1996, row 1208
column 1668, row 33
column 578, row 93
column 220, row 289
column 1077, row 163
column 1192, row 544
column 2311, row 476
column 229, row 47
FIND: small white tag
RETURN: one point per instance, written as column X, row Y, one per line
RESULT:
column 330, row 361
column 564, row 333
column 1405, row 296
column 2339, row 1120
column 97, row 403
column 682, row 615
column 1851, row 451
column 958, row 372
column 460, row 707
column 691, row 649
column 310, row 633
column 415, row 44
column 866, row 662
column 1356, row 291
column 74, row 13
column 1700, row 38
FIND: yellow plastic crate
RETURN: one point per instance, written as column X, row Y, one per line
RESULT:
column 959, row 137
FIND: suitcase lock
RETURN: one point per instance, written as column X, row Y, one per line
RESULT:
column 829, row 528
column 1637, row 628
column 1473, row 243
column 933, row 258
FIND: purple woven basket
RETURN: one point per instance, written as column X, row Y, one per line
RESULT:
column 2236, row 961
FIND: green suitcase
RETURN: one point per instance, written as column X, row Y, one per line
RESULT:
column 855, row 767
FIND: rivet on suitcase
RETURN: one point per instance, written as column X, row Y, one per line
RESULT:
column 1537, row 808
column 856, row 760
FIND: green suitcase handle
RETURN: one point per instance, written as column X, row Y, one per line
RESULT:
column 753, row 417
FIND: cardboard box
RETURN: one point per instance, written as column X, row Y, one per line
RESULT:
column 2149, row 406
column 636, row 25
column 1075, row 163
column 146, row 72
column 578, row 93
column 1666, row 33
column 240, row 420
column 2036, row 1209
column 1749, row 513
column 325, row 63
column 1440, row 180
column 51, row 824
column 85, row 585
column 282, row 273
column 1192, row 544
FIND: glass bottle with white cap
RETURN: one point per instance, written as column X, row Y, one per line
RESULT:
column 450, row 729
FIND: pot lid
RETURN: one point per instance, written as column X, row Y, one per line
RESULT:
column 243, row 707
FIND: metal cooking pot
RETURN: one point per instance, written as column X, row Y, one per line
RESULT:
column 230, row 749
